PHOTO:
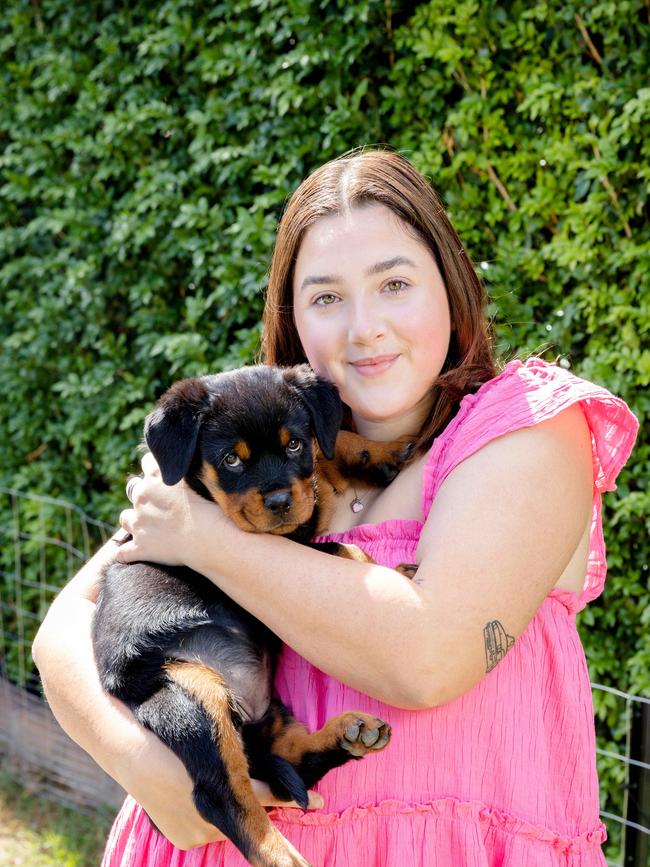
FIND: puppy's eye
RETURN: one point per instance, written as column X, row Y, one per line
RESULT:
column 294, row 447
column 232, row 460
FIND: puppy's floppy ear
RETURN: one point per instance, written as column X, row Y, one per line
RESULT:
column 323, row 404
column 172, row 429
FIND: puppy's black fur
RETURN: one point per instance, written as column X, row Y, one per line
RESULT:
column 193, row 666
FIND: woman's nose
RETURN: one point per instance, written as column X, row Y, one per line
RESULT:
column 365, row 326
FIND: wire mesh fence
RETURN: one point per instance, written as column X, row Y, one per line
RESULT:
column 626, row 761
column 44, row 540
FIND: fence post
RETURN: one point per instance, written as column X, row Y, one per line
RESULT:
column 637, row 842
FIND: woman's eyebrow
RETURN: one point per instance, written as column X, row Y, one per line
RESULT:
column 377, row 268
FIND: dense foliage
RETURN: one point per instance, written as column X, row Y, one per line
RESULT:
column 146, row 152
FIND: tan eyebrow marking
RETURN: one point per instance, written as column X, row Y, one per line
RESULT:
column 242, row 450
column 377, row 268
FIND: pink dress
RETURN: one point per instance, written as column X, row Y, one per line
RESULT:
column 504, row 775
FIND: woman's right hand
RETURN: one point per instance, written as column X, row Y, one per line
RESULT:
column 105, row 728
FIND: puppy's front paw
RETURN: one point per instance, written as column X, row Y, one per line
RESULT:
column 402, row 450
column 389, row 460
column 361, row 734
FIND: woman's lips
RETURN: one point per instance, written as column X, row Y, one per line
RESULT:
column 376, row 364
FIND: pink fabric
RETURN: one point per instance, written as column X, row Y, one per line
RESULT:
column 504, row 775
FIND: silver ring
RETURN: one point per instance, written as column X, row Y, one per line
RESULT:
column 130, row 485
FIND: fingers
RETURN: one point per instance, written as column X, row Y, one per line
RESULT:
column 131, row 483
column 149, row 469
column 120, row 536
column 316, row 801
column 149, row 465
column 126, row 520
column 134, row 483
column 124, row 537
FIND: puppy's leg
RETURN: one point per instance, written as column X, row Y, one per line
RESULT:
column 347, row 736
column 376, row 463
column 353, row 552
column 193, row 716
column 341, row 549
column 357, row 458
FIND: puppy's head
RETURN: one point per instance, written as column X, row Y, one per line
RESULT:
column 245, row 439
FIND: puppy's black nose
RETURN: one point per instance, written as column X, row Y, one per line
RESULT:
column 278, row 502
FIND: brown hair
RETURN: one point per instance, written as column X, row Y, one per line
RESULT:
column 367, row 177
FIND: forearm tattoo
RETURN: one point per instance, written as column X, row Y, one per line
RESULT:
column 497, row 643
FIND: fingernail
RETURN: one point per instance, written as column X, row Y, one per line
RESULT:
column 315, row 801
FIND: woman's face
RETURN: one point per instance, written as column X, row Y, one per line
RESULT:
column 372, row 315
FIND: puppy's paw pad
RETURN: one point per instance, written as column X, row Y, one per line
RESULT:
column 363, row 734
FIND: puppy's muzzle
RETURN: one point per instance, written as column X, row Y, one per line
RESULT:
column 278, row 502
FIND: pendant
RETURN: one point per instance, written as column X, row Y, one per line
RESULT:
column 356, row 505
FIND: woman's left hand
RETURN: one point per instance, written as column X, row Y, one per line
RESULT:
column 167, row 523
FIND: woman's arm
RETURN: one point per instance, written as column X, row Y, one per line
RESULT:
column 503, row 528
column 105, row 727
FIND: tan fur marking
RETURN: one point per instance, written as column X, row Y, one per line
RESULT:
column 242, row 450
column 285, row 437
column 326, row 503
column 210, row 479
column 262, row 520
column 303, row 497
column 293, row 741
column 352, row 552
column 231, row 504
column 208, row 688
column 349, row 447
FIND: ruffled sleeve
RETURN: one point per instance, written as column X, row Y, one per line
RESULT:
column 523, row 395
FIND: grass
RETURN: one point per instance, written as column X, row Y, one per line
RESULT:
column 35, row 832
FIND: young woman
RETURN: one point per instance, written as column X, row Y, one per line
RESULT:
column 476, row 663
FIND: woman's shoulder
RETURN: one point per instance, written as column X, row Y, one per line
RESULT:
column 525, row 394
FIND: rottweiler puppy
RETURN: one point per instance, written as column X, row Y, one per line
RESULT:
column 194, row 667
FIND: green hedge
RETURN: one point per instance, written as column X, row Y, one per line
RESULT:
column 147, row 150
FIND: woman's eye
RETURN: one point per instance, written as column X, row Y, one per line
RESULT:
column 232, row 460
column 294, row 447
column 325, row 300
column 395, row 286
